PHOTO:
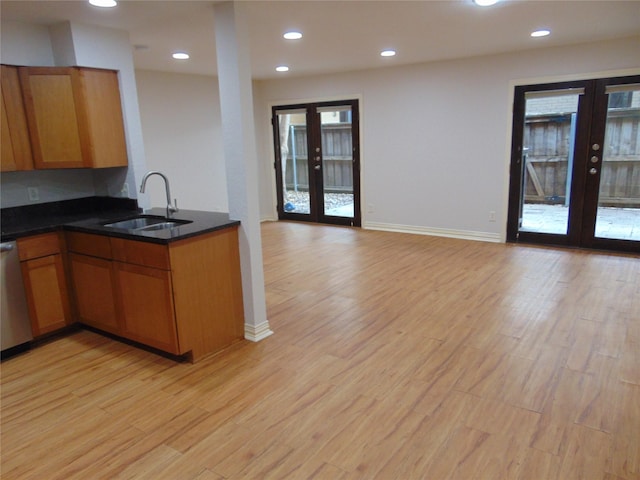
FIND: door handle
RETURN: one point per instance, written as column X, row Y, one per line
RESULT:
column 317, row 167
column 593, row 171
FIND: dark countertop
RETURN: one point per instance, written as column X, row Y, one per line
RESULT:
column 89, row 216
column 199, row 222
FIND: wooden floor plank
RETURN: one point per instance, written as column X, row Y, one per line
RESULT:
column 394, row 356
column 582, row 458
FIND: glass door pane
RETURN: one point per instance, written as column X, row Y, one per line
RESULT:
column 547, row 154
column 618, row 212
column 337, row 161
column 575, row 164
column 292, row 128
column 317, row 162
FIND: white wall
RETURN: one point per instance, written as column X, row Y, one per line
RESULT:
column 52, row 185
column 26, row 44
column 435, row 137
column 182, row 131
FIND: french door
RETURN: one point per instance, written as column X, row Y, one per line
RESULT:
column 575, row 164
column 317, row 162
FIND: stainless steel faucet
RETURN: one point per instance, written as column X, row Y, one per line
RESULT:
column 171, row 209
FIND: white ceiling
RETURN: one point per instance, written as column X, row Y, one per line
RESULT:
column 342, row 35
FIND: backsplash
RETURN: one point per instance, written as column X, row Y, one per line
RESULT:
column 43, row 186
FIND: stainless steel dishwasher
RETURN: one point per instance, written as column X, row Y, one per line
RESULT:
column 15, row 326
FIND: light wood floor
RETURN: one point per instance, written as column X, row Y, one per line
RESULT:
column 394, row 357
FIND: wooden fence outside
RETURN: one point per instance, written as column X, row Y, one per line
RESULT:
column 337, row 151
column 547, row 139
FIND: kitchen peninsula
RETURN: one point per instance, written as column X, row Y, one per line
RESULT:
column 175, row 287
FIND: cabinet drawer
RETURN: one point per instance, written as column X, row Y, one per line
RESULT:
column 140, row 253
column 88, row 244
column 38, row 246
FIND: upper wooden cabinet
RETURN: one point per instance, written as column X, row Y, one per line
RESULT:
column 16, row 148
column 74, row 115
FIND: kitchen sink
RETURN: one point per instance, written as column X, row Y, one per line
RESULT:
column 145, row 223
column 160, row 226
column 134, row 223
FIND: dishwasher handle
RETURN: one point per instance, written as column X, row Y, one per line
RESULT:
column 6, row 247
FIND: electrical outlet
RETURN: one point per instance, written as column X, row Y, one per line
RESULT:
column 34, row 194
column 124, row 191
column 370, row 208
column 492, row 216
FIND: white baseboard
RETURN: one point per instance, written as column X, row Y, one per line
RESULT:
column 437, row 232
column 255, row 333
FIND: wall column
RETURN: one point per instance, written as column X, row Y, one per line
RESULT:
column 241, row 160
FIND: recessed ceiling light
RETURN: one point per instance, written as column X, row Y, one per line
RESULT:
column 485, row 3
column 103, row 3
column 180, row 56
column 540, row 33
column 387, row 53
column 292, row 35
column 282, row 68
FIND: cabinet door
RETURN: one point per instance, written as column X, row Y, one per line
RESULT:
column 52, row 102
column 16, row 147
column 105, row 126
column 145, row 297
column 207, row 291
column 93, row 282
column 46, row 290
column 74, row 116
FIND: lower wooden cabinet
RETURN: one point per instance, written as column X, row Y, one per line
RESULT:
column 207, row 291
column 43, row 273
column 181, row 298
column 94, row 291
column 146, row 302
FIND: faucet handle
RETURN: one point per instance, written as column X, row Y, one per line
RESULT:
column 171, row 209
